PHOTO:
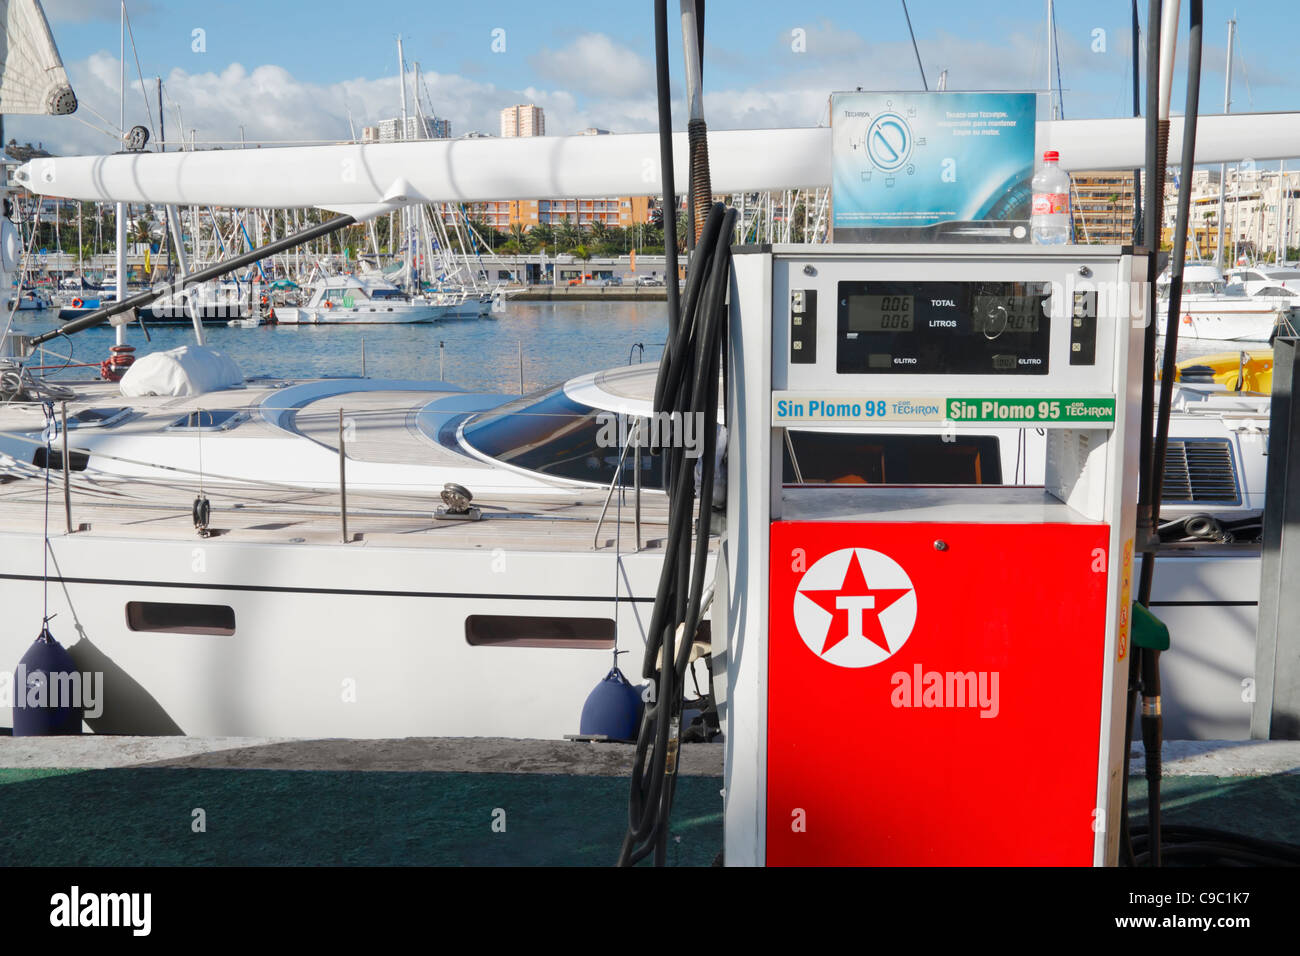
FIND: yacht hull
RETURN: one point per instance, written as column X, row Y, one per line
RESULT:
column 328, row 640
column 366, row 315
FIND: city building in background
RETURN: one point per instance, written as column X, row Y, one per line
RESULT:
column 523, row 120
column 417, row 127
column 1102, row 204
column 623, row 211
column 1261, row 213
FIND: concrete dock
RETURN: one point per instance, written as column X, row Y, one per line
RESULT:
column 590, row 293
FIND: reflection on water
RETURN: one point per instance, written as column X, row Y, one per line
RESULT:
column 559, row 340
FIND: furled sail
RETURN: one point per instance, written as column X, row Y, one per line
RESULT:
column 32, row 78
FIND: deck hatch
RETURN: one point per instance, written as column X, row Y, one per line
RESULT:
column 95, row 418
column 209, row 420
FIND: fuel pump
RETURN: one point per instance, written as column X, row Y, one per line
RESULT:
column 926, row 661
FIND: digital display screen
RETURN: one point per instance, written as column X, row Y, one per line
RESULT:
column 1014, row 314
column 881, row 313
column 928, row 327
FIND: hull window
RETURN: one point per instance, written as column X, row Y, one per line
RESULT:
column 510, row 630
column 216, row 620
column 77, row 460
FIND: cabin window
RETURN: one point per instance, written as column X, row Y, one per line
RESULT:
column 216, row 620
column 514, row 630
column 77, row 460
column 550, row 433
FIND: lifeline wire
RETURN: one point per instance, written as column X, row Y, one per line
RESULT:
column 48, row 407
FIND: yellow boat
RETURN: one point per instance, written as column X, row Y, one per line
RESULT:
column 1238, row 371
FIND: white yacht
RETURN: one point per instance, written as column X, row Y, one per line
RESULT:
column 495, row 619
column 352, row 300
column 465, row 303
column 1267, row 280
column 1214, row 309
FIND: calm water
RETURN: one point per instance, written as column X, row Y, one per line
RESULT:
column 559, row 340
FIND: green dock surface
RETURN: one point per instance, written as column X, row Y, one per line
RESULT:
column 140, row 801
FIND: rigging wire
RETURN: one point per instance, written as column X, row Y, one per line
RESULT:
column 148, row 109
column 1060, row 89
column 915, row 48
column 48, row 408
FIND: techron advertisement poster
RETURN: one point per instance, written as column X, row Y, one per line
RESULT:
column 931, row 167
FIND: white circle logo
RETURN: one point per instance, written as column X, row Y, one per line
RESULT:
column 889, row 141
column 855, row 607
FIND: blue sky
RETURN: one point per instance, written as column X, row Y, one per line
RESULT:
column 294, row 70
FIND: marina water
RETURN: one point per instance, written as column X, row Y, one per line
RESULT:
column 559, row 340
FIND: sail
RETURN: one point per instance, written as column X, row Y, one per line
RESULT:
column 488, row 168
column 32, row 78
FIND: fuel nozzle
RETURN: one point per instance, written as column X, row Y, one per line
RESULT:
column 1150, row 637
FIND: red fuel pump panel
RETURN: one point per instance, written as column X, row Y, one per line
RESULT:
column 934, row 693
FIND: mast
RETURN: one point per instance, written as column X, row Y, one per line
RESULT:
column 120, row 331
column 1051, row 43
column 1223, row 167
column 407, row 263
column 1281, row 214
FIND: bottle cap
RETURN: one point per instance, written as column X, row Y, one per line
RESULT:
column 1051, row 156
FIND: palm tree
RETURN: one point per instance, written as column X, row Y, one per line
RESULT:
column 142, row 232
column 542, row 235
column 582, row 254
column 567, row 235
column 598, row 232
column 519, row 236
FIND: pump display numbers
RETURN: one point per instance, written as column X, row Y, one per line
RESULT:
column 951, row 328
column 1016, row 314
column 881, row 313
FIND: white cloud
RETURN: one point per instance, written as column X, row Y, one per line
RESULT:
column 274, row 106
column 596, row 65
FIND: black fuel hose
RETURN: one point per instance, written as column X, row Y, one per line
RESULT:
column 689, row 386
column 1149, row 229
column 1193, row 845
column 1152, row 719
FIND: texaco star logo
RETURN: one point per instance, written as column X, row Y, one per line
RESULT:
column 855, row 607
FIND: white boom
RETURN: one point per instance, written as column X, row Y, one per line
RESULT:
column 476, row 170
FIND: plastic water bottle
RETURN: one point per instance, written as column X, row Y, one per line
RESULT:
column 1049, row 223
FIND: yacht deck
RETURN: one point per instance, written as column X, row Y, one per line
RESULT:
column 390, row 432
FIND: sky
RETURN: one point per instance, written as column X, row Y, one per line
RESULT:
column 299, row 71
